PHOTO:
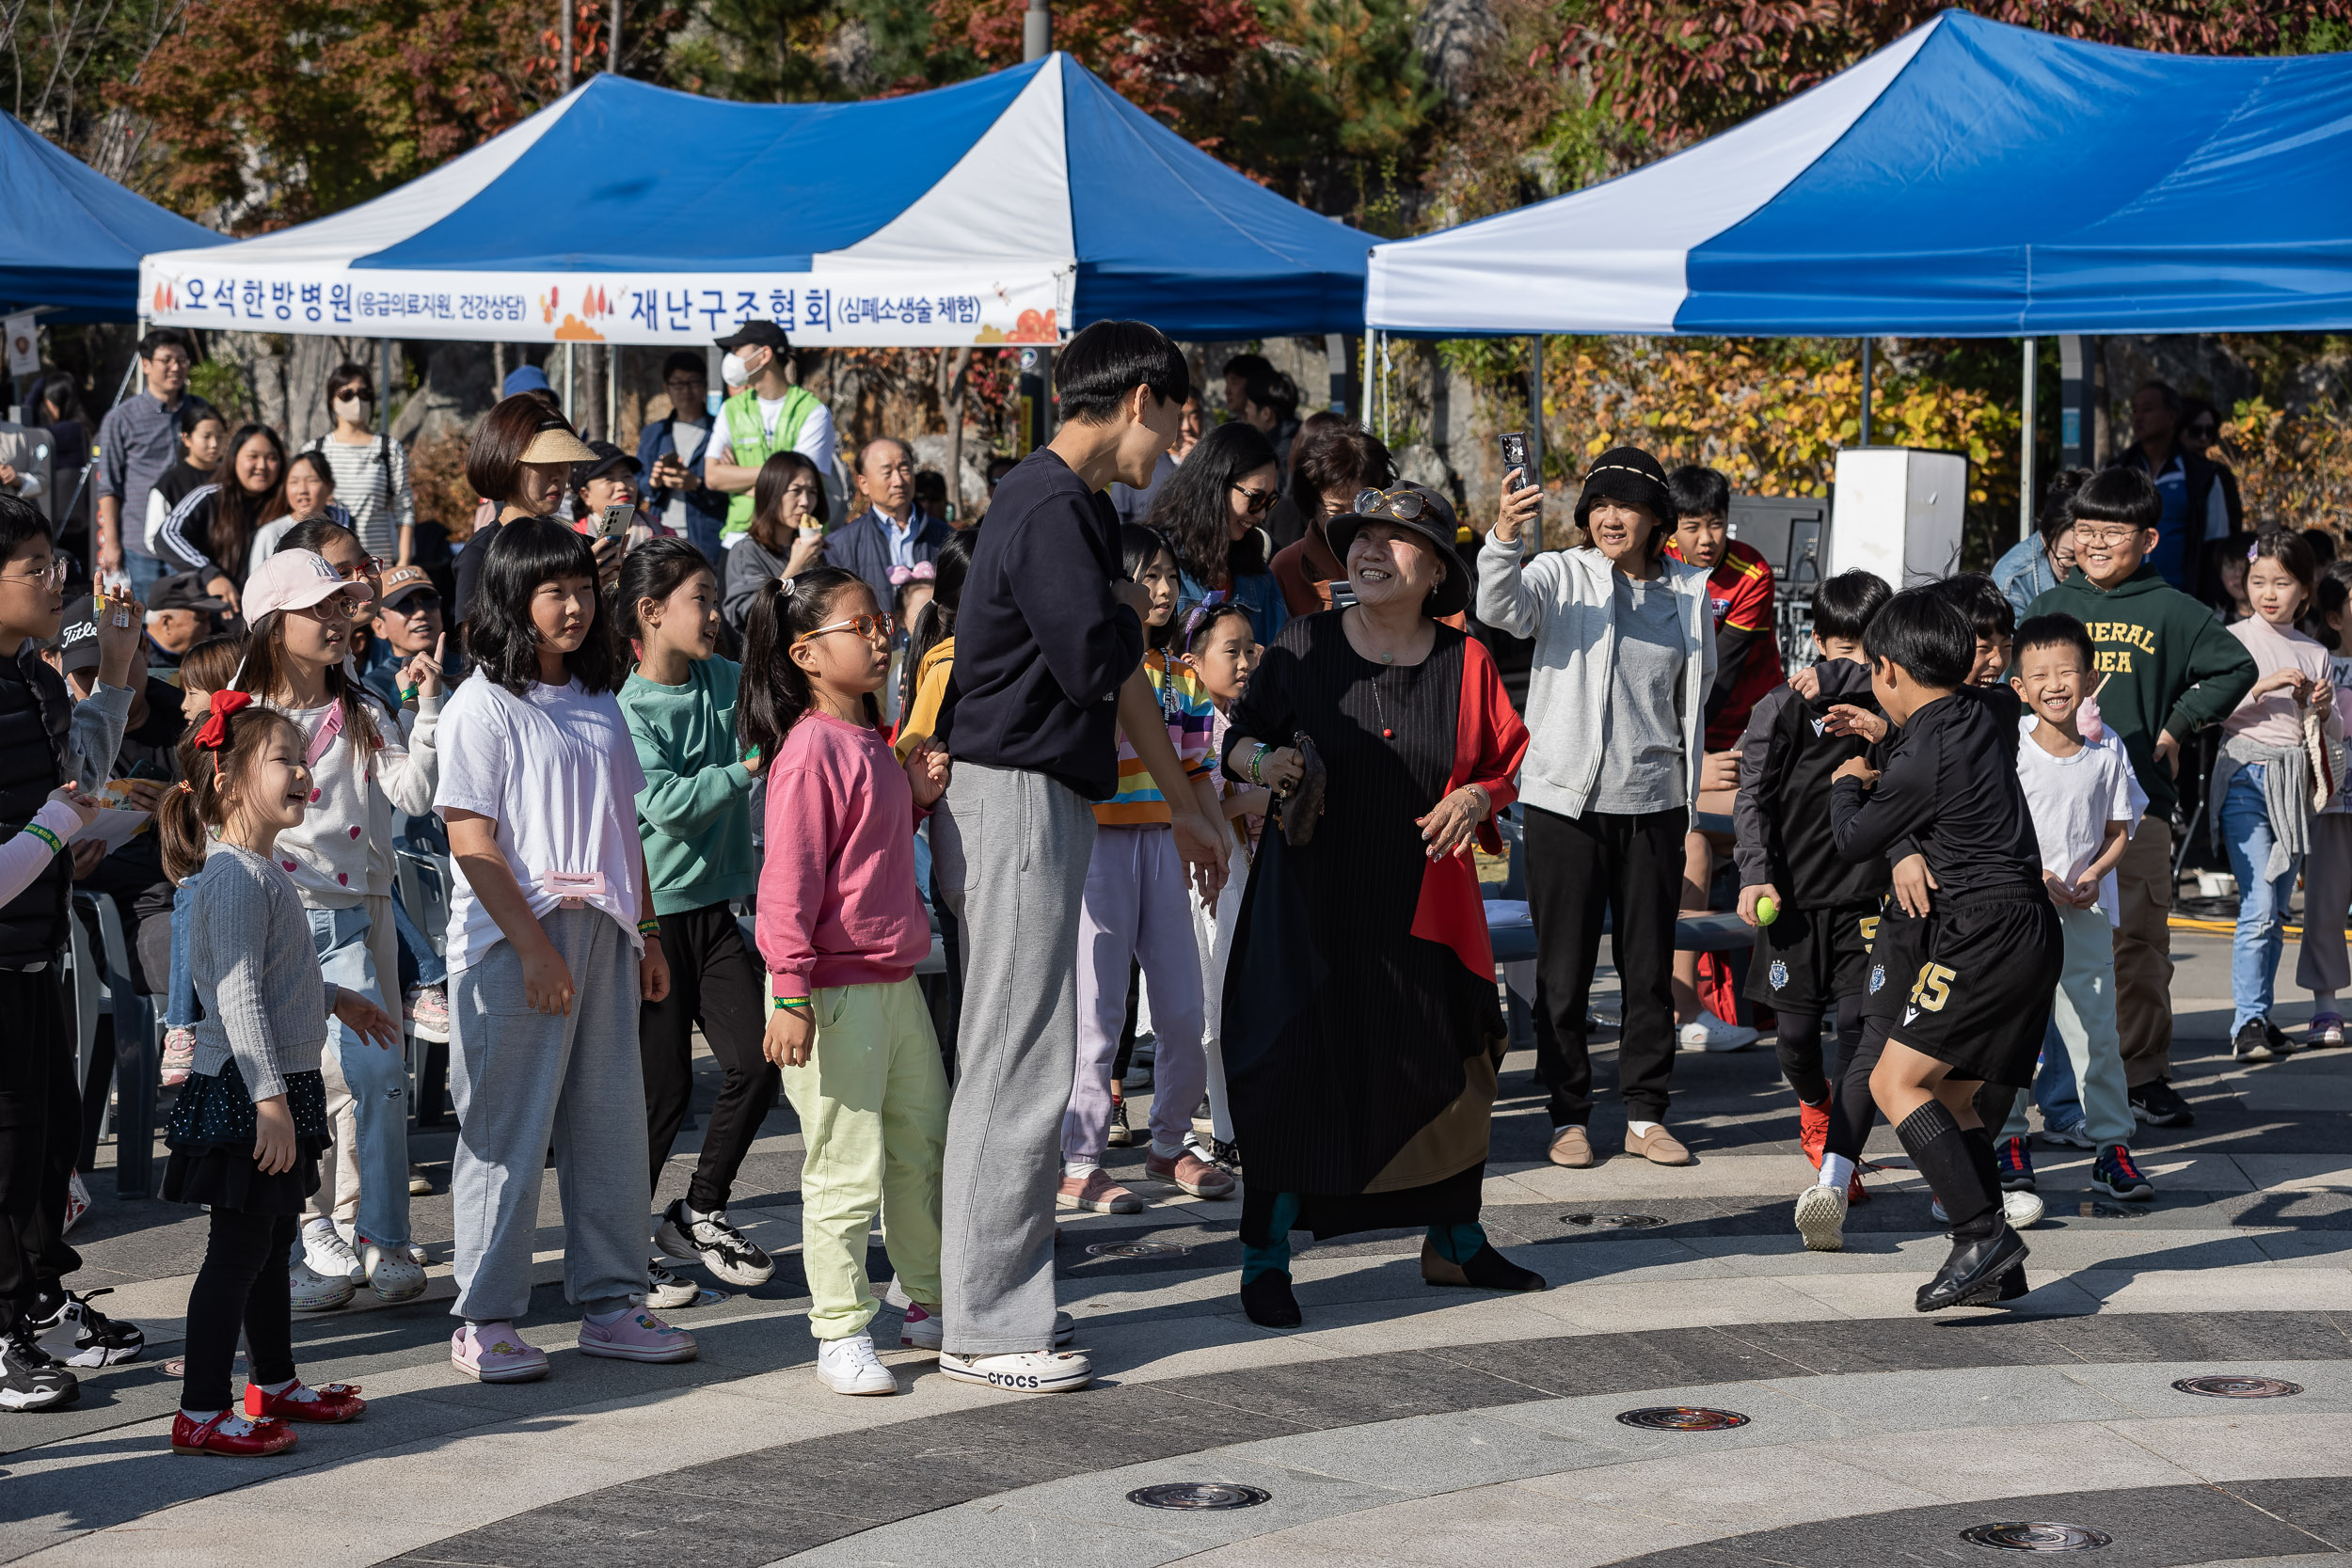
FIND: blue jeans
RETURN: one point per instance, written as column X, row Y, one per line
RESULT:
column 419, row 964
column 2054, row 1086
column 2261, row 902
column 145, row 571
column 179, row 990
column 377, row 1078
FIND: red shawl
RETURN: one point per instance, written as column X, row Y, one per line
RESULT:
column 1489, row 740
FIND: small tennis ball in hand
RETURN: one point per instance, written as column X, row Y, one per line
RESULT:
column 1766, row 910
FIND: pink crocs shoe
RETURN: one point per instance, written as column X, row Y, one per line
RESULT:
column 636, row 1335
column 494, row 1352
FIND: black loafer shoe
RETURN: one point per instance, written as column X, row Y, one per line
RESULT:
column 2014, row 1283
column 1268, row 1301
column 1973, row 1274
column 1483, row 1270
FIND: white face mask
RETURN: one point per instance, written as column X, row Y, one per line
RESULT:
column 351, row 408
column 731, row 371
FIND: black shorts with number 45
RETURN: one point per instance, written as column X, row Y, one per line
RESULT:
column 1807, row 959
column 1971, row 984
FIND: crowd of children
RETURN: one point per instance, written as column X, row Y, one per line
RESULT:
column 1952, row 838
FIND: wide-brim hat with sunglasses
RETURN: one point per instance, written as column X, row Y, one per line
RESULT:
column 558, row 442
column 1423, row 511
column 296, row 580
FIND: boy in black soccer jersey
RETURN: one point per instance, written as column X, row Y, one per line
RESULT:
column 1814, row 952
column 1980, row 968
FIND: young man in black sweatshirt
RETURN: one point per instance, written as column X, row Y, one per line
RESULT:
column 1813, row 945
column 1048, row 670
column 2170, row 668
column 1983, row 965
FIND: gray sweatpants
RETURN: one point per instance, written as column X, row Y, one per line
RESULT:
column 520, row 1078
column 1011, row 850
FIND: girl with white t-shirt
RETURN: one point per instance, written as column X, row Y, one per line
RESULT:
column 552, row 944
column 364, row 760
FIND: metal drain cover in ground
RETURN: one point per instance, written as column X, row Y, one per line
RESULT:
column 2238, row 1387
column 1137, row 1249
column 1616, row 1222
column 2110, row 1212
column 1199, row 1493
column 1683, row 1418
column 2023, row 1536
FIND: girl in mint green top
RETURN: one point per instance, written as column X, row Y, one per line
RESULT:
column 694, row 815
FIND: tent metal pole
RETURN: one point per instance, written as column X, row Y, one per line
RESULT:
column 1037, row 31
column 2026, row 486
column 612, row 391
column 1867, row 345
column 383, row 387
column 1335, row 357
column 1536, row 434
column 564, row 28
column 612, row 40
column 571, row 383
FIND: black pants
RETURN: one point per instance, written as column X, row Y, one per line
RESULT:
column 1577, row 867
column 1850, row 1109
column 243, row 1285
column 40, row 1123
column 716, row 980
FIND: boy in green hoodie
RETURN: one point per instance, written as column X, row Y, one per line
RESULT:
column 2169, row 670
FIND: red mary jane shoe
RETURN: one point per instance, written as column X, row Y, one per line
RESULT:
column 336, row 1402
column 230, row 1433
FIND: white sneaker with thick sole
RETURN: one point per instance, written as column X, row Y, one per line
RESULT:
column 717, row 1245
column 327, row 1252
column 665, row 1291
column 1821, row 1218
column 848, row 1366
column 393, row 1275
column 1035, row 1371
column 313, row 1291
column 924, row 1330
column 1708, row 1033
column 2022, row 1209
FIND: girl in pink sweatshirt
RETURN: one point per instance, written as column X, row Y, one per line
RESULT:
column 841, row 927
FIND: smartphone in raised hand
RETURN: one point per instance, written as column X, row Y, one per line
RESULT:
column 1514, row 457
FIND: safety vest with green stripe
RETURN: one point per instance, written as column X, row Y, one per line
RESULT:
column 749, row 442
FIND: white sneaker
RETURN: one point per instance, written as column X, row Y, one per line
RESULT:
column 1708, row 1033
column 2022, row 1209
column 325, row 1249
column 313, row 1291
column 924, row 1329
column 2069, row 1137
column 848, row 1366
column 391, row 1273
column 666, row 1290
column 1821, row 1218
column 714, row 1244
column 1035, row 1371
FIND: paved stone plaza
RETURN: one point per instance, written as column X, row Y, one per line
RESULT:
column 1402, row 1424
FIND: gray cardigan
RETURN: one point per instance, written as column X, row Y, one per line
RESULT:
column 1566, row 601
column 256, row 972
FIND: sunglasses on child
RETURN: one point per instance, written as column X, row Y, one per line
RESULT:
column 865, row 626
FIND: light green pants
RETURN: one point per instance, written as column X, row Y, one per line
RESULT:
column 2084, row 1011
column 873, row 1109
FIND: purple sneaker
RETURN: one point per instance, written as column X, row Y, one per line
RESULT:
column 494, row 1352
column 636, row 1335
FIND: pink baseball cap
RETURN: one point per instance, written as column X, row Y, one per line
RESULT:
column 296, row 580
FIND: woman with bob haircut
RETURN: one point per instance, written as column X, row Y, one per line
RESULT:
column 553, row 943
column 521, row 459
column 788, row 499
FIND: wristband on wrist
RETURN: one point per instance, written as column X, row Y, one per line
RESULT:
column 56, row 844
column 408, row 693
column 786, row 1002
column 649, row 927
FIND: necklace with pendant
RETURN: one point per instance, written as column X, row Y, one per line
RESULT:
column 1381, row 709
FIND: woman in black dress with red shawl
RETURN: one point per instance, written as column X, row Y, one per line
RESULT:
column 1362, row 1033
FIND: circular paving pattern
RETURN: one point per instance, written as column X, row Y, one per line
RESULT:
column 1137, row 1249
column 1199, row 1495
column 1683, row 1418
column 2238, row 1387
column 2034, row 1536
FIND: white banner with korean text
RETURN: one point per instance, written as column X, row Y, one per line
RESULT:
column 829, row 307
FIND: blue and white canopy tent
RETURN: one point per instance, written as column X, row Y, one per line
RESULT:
column 1006, row 210
column 1970, row 179
column 71, row 244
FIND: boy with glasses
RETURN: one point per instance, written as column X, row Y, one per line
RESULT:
column 2169, row 670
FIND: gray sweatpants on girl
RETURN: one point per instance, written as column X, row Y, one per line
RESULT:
column 521, row 1079
column 1010, row 849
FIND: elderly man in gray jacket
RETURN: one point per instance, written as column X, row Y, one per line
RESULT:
column 1625, row 650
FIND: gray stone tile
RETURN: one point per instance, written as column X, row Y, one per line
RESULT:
column 1429, row 1454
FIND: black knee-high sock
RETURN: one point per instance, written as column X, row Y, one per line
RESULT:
column 1852, row 1109
column 1950, row 1160
column 1987, row 1175
column 1799, row 1046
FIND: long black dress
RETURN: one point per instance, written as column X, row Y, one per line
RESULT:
column 1359, row 1056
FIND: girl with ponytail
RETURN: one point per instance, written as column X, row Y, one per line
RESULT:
column 249, row 1126
column 841, row 928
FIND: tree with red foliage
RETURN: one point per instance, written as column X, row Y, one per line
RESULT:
column 1683, row 70
column 1157, row 53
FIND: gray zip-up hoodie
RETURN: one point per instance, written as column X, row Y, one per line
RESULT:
column 1566, row 601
